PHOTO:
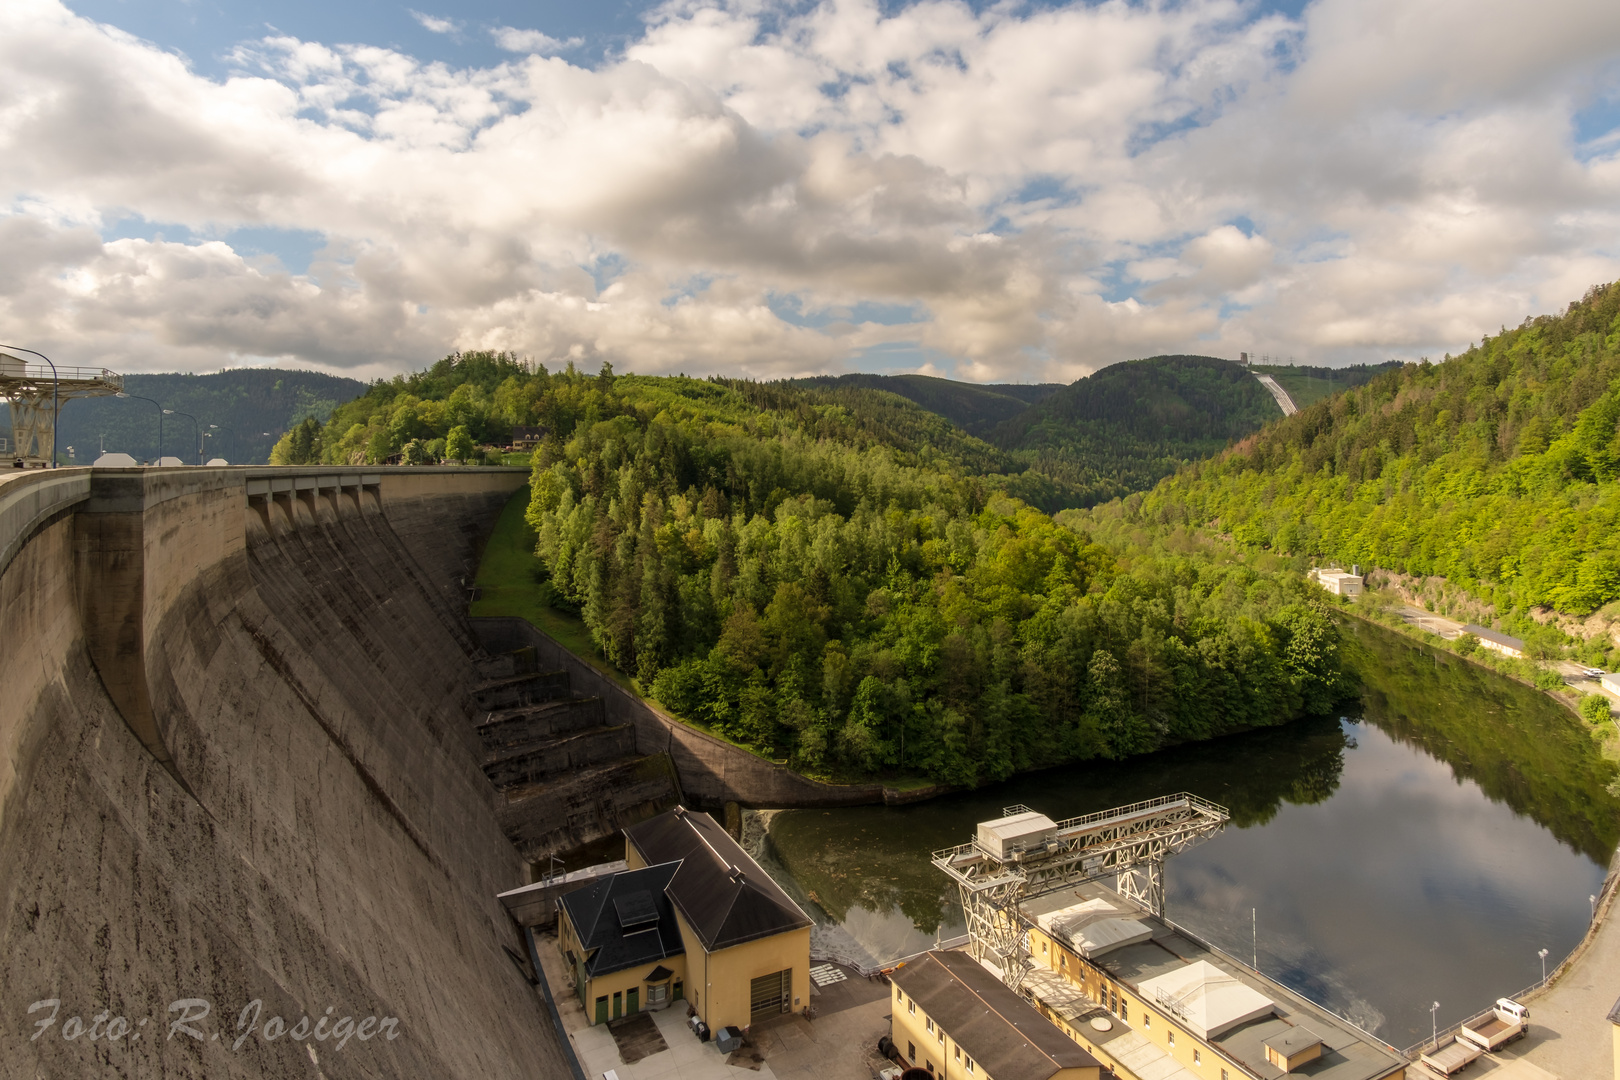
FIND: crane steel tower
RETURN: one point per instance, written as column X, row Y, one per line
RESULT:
column 37, row 393
column 1026, row 854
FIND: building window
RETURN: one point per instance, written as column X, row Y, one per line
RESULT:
column 1198, row 1059
column 941, row 1033
column 969, row 1064
column 958, row 1053
column 1171, row 1037
column 929, row 1065
column 1147, row 1019
column 1043, row 948
column 1224, row 1075
column 898, row 996
column 911, row 1006
column 928, row 1024
column 911, row 1051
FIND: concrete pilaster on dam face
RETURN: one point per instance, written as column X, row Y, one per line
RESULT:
column 339, row 844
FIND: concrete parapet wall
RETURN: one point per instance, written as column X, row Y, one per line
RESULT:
column 240, row 764
column 712, row 771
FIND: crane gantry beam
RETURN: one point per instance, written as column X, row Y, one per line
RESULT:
column 37, row 394
column 1129, row 842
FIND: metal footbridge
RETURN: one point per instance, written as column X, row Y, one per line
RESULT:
column 1026, row 855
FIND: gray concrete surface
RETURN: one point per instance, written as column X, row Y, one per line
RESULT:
column 327, row 840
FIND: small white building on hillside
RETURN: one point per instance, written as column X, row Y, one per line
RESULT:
column 1339, row 582
column 1496, row 641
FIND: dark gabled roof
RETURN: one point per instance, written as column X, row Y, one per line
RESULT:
column 1497, row 636
column 1614, row 1013
column 614, row 941
column 1001, row 1031
column 722, row 893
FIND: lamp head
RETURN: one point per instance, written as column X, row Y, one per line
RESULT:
column 121, row 394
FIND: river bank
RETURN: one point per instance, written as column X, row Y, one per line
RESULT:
column 1437, row 837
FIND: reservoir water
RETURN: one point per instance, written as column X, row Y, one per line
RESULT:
column 1422, row 847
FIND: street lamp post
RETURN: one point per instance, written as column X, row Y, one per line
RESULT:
column 1434, row 1023
column 1543, row 955
column 161, row 410
column 196, row 432
column 56, row 389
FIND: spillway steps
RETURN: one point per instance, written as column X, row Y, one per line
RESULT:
column 564, row 775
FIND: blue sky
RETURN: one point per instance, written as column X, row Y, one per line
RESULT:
column 986, row 192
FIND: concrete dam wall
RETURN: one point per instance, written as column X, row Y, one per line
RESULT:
column 242, row 764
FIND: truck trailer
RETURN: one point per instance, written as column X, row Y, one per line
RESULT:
column 1507, row 1021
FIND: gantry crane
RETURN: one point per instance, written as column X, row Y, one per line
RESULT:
column 1026, row 854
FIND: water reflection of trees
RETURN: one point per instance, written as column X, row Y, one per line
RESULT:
column 1518, row 746
column 877, row 858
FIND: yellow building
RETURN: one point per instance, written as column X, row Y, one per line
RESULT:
column 1149, row 1000
column 1614, row 1018
column 623, row 943
column 959, row 1022
column 747, row 943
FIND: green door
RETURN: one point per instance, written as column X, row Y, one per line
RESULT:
column 632, row 999
column 618, row 1004
column 601, row 1010
column 680, row 991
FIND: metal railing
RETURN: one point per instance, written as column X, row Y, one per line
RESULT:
column 39, row 373
column 1100, row 817
column 1434, row 1041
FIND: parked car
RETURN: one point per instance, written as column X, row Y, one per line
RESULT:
column 1594, row 673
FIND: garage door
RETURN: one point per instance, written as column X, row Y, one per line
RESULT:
column 770, row 995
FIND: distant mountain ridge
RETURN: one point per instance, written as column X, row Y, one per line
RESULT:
column 1127, row 426
column 973, row 407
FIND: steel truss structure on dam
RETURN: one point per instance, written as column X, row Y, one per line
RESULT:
column 37, row 393
column 1129, row 842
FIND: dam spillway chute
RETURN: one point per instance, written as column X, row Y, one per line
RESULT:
column 1025, row 854
column 37, row 393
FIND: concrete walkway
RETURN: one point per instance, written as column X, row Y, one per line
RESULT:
column 1570, row 1034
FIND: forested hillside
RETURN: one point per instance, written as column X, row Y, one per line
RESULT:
column 1498, row 469
column 1125, row 427
column 824, row 588
column 973, row 407
column 244, row 411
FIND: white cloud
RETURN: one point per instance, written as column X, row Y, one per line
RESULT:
column 1050, row 190
column 436, row 24
column 531, row 41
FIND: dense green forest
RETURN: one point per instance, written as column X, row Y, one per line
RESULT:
column 1308, row 385
column 973, row 407
column 243, row 411
column 1124, row 428
column 1498, row 469
column 832, row 588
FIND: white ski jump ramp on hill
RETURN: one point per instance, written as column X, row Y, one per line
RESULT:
column 1284, row 402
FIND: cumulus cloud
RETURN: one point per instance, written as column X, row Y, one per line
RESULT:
column 531, row 41
column 1037, row 192
column 436, row 24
